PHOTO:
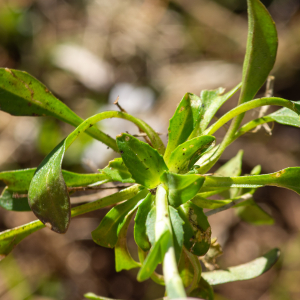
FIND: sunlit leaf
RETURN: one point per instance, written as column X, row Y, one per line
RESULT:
column 106, row 234
column 23, row 95
column 183, row 122
column 177, row 228
column 286, row 116
column 261, row 49
column 143, row 162
column 211, row 102
column 246, row 271
column 181, row 188
column 124, row 260
column 140, row 227
column 253, row 214
column 197, row 231
column 117, row 171
column 180, row 158
column 208, row 203
column 48, row 196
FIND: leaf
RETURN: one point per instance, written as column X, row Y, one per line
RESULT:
column 143, row 162
column 286, row 116
column 23, row 95
column 261, row 49
column 106, row 234
column 197, row 231
column 287, row 178
column 117, row 171
column 183, row 122
column 212, row 100
column 9, row 202
column 246, row 271
column 152, row 259
column 48, row 196
column 232, row 168
column 203, row 291
column 180, row 158
column 19, row 180
column 150, row 225
column 208, row 203
column 11, row 237
column 181, row 188
column 95, row 297
column 253, row 214
column 140, row 227
column 124, row 260
column 177, row 228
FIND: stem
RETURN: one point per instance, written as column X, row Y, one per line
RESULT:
column 153, row 136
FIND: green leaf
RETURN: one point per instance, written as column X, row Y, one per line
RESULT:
column 140, row 227
column 287, row 178
column 232, row 168
column 177, row 228
column 144, row 163
column 181, row 188
column 286, row 116
column 10, row 202
column 152, row 259
column 211, row 102
column 246, row 271
column 261, row 49
column 183, row 122
column 124, row 260
column 253, row 214
column 208, row 203
column 95, row 297
column 203, row 291
column 150, row 225
column 48, row 196
column 106, row 234
column 24, row 95
column 117, row 171
column 19, row 180
column 180, row 158
column 197, row 231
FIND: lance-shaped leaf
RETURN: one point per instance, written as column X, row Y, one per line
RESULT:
column 19, row 180
column 10, row 202
column 177, row 228
column 23, row 95
column 183, row 122
column 181, row 188
column 106, row 234
column 180, row 158
column 253, row 214
column 211, row 102
column 140, row 227
column 48, row 196
column 118, row 171
column 197, row 231
column 287, row 178
column 261, row 49
column 144, row 163
column 208, row 203
column 286, row 116
column 124, row 260
column 246, row 271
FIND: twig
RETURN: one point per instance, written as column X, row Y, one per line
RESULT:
column 96, row 187
column 229, row 205
column 119, row 106
column 143, row 134
column 264, row 109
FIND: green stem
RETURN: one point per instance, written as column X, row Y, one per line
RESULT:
column 153, row 136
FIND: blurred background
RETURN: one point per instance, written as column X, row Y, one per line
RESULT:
column 149, row 53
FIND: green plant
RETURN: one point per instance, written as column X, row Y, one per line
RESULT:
column 169, row 186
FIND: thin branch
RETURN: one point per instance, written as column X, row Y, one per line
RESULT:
column 97, row 187
column 119, row 106
column 229, row 205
